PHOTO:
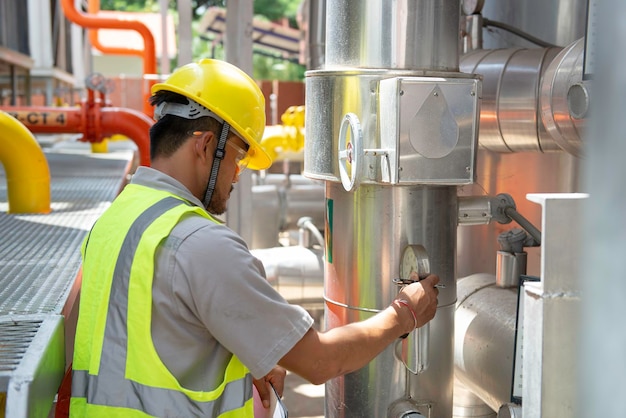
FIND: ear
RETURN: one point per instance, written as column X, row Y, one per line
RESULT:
column 203, row 145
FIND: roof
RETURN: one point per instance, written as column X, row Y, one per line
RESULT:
column 116, row 38
column 282, row 40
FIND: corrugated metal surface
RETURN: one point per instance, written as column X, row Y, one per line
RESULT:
column 16, row 336
column 39, row 254
column 39, row 263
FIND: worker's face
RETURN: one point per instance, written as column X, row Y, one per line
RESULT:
column 230, row 168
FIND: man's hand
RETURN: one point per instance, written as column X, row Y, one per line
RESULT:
column 422, row 296
column 277, row 378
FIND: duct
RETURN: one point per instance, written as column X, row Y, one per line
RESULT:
column 509, row 117
column 27, row 173
column 484, row 338
column 92, row 120
column 533, row 99
column 93, row 22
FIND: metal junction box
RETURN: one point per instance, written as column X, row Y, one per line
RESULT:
column 429, row 128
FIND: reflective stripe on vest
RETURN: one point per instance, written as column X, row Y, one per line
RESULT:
column 111, row 387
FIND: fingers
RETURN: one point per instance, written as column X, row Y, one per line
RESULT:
column 264, row 391
column 277, row 378
column 423, row 296
column 432, row 279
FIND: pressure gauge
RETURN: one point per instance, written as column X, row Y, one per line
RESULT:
column 471, row 7
column 414, row 259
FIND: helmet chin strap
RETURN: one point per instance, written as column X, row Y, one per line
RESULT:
column 218, row 157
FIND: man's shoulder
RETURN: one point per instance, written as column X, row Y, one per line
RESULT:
column 203, row 230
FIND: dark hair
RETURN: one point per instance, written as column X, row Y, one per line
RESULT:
column 170, row 132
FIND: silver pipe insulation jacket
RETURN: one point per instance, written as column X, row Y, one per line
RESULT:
column 397, row 34
column 510, row 411
column 467, row 404
column 278, row 204
column 296, row 272
column 485, row 338
column 533, row 99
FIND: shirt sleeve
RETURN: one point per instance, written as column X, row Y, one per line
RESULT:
column 235, row 302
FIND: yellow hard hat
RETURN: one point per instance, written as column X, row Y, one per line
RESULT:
column 231, row 94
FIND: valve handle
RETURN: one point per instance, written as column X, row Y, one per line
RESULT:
column 350, row 152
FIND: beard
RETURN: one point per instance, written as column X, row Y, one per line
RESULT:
column 219, row 203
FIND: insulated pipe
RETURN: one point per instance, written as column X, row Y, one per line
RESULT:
column 26, row 167
column 510, row 118
column 485, row 338
column 532, row 98
column 94, row 122
column 93, row 22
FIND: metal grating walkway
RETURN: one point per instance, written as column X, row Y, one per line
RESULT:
column 39, row 263
column 39, row 254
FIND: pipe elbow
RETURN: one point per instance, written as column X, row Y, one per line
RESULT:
column 131, row 123
column 27, row 172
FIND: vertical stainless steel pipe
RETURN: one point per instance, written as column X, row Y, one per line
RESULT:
column 368, row 227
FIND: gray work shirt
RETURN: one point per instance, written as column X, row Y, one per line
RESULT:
column 211, row 299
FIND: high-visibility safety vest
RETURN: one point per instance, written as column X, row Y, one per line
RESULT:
column 116, row 369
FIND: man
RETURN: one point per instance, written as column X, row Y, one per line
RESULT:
column 176, row 318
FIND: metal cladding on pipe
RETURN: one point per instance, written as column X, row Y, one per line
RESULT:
column 391, row 126
column 533, row 99
column 281, row 205
column 26, row 167
column 94, row 122
column 565, row 98
column 393, row 34
column 485, row 338
column 510, row 116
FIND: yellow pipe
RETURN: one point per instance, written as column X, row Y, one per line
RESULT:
column 101, row 147
column 26, row 167
column 289, row 137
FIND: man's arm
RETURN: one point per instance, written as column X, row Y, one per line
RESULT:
column 320, row 356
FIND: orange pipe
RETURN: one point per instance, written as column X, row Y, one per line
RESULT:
column 94, row 122
column 94, row 22
column 130, row 123
column 93, row 7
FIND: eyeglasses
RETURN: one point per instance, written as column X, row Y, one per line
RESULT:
column 242, row 159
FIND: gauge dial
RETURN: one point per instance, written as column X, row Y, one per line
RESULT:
column 471, row 7
column 414, row 259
